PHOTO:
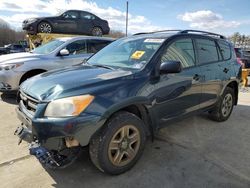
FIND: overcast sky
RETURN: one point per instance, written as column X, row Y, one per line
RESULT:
column 223, row 16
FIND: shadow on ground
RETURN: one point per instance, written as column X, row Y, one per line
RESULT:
column 195, row 152
column 8, row 97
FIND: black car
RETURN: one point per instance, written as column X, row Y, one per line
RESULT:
column 3, row 51
column 16, row 48
column 124, row 93
column 69, row 22
column 12, row 48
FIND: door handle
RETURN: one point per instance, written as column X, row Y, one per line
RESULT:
column 225, row 70
column 196, row 77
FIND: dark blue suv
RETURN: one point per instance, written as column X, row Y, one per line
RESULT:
column 124, row 93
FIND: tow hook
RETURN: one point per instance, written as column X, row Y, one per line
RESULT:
column 42, row 154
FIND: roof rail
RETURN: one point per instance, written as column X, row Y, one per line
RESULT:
column 161, row 31
column 204, row 32
column 184, row 31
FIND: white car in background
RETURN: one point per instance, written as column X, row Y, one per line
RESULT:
column 58, row 53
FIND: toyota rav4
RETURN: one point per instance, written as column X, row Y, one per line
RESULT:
column 125, row 93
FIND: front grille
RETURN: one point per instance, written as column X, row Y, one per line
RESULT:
column 28, row 102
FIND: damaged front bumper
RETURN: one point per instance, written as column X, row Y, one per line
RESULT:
column 49, row 138
column 52, row 132
column 41, row 153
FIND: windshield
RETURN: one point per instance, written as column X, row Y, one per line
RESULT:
column 127, row 53
column 48, row 47
column 60, row 12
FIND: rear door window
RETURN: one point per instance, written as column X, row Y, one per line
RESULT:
column 207, row 51
column 96, row 45
column 87, row 16
column 77, row 47
column 225, row 50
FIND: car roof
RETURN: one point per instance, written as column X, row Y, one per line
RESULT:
column 85, row 37
column 78, row 11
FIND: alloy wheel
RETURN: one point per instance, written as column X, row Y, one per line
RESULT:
column 97, row 31
column 124, row 145
column 45, row 28
column 227, row 105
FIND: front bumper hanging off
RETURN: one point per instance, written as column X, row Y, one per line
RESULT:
column 41, row 153
column 23, row 134
column 56, row 142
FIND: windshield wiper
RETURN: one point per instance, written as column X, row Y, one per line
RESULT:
column 103, row 66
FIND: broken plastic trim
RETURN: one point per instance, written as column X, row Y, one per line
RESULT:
column 42, row 154
column 23, row 134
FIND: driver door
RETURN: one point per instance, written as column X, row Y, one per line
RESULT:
column 77, row 53
column 178, row 94
column 68, row 22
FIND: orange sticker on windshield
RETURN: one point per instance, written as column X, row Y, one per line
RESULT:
column 137, row 54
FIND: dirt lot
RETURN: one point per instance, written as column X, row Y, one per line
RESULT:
column 195, row 152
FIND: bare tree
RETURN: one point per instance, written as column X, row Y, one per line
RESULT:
column 116, row 34
column 8, row 35
column 239, row 40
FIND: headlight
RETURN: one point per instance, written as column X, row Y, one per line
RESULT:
column 66, row 107
column 31, row 20
column 10, row 66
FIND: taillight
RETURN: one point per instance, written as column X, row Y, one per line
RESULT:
column 240, row 62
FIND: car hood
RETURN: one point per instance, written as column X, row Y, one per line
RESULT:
column 18, row 57
column 71, row 81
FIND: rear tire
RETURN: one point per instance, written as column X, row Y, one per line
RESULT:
column 116, row 147
column 224, row 107
column 97, row 31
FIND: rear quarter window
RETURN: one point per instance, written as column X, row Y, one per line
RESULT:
column 96, row 45
column 225, row 50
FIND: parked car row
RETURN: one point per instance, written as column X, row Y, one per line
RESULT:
column 121, row 95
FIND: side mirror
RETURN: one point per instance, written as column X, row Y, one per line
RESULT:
column 170, row 67
column 64, row 52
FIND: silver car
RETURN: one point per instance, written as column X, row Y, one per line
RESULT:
column 58, row 53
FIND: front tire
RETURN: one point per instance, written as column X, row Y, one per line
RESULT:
column 119, row 144
column 224, row 107
column 44, row 27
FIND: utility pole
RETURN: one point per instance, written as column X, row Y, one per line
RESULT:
column 127, row 20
